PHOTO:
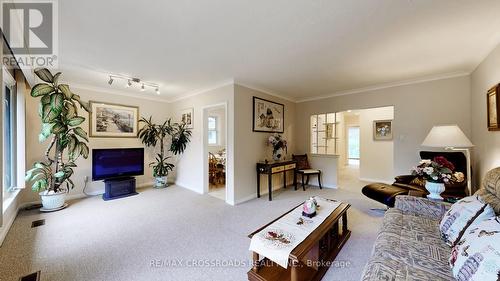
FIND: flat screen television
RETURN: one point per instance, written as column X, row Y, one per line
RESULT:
column 117, row 163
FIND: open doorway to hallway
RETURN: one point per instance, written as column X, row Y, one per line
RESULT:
column 216, row 150
column 363, row 157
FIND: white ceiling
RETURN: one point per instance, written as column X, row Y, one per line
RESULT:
column 296, row 48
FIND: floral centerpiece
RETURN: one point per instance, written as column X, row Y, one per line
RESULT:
column 436, row 173
column 279, row 146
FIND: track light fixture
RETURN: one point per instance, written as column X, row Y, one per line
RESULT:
column 134, row 81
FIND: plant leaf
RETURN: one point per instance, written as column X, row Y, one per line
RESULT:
column 84, row 150
column 59, row 174
column 81, row 133
column 44, row 74
column 65, row 90
column 59, row 128
column 75, row 121
column 41, row 89
column 56, row 78
column 57, row 102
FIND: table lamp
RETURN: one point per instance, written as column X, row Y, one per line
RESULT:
column 451, row 137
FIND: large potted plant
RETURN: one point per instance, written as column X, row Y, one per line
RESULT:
column 58, row 111
column 151, row 134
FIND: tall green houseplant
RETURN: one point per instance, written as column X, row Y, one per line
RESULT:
column 58, row 111
column 151, row 134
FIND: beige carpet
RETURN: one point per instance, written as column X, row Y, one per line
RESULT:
column 121, row 239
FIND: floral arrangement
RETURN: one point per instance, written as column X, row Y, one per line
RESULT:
column 438, row 170
column 278, row 143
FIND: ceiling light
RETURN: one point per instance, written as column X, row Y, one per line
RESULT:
column 142, row 88
column 129, row 83
column 110, row 80
column 157, row 91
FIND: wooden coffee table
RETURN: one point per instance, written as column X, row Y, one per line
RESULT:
column 310, row 259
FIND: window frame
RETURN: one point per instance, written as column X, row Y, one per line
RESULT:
column 9, row 82
column 215, row 130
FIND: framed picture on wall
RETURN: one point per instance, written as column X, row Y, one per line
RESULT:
column 268, row 116
column 187, row 116
column 110, row 120
column 382, row 130
column 493, row 107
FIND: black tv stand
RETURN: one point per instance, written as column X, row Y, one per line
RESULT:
column 119, row 188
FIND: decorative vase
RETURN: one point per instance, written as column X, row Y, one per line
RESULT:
column 435, row 189
column 277, row 154
column 161, row 182
column 52, row 201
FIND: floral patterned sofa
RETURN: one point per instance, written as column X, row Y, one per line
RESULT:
column 409, row 244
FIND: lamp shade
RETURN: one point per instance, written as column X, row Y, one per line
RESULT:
column 447, row 136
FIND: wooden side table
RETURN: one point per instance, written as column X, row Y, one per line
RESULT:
column 275, row 167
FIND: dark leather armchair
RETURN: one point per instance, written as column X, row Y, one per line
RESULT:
column 452, row 189
column 408, row 184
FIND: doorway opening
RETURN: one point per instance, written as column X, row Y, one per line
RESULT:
column 363, row 155
column 215, row 150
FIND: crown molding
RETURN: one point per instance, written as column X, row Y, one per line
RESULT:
column 201, row 90
column 265, row 91
column 388, row 85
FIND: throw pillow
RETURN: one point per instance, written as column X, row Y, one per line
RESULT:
column 466, row 213
column 477, row 255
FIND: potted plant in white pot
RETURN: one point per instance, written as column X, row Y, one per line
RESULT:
column 151, row 134
column 58, row 111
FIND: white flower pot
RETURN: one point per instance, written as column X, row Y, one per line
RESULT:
column 52, row 201
column 435, row 189
column 161, row 182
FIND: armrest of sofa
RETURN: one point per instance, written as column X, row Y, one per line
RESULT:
column 421, row 206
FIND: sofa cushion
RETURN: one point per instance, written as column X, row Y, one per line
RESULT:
column 491, row 189
column 462, row 215
column 477, row 255
column 413, row 244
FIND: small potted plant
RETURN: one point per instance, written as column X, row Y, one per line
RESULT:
column 279, row 146
column 151, row 134
column 58, row 112
column 436, row 173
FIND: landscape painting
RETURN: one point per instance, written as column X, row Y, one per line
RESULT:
column 113, row 120
column 268, row 116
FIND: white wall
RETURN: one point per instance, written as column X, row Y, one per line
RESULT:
column 250, row 147
column 376, row 157
column 487, row 144
column 191, row 173
column 35, row 150
column 417, row 107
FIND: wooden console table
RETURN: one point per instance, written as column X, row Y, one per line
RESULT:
column 275, row 167
column 310, row 259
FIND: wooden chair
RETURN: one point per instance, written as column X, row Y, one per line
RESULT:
column 304, row 169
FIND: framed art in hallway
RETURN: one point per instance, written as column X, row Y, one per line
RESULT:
column 109, row 120
column 493, row 107
column 382, row 130
column 268, row 116
column 187, row 116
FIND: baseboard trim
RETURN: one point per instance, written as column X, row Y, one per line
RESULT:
column 245, row 199
column 7, row 226
column 185, row 186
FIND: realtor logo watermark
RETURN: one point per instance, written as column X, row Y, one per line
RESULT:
column 30, row 28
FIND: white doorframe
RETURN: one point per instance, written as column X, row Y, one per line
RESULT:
column 206, row 109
